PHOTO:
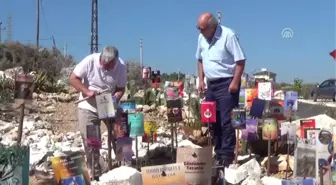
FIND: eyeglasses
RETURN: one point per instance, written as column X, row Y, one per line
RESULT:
column 201, row 29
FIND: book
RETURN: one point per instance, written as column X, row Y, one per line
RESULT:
column 310, row 133
column 250, row 95
column 238, row 118
column 288, row 132
column 124, row 149
column 93, row 136
column 257, row 108
column 121, row 126
column 171, row 92
column 242, row 98
column 208, row 112
column 105, row 106
column 270, row 129
column 163, row 174
column 305, row 158
column 304, row 124
column 174, row 110
column 198, row 164
column 14, row 165
column 250, row 132
column 298, row 182
column 291, row 101
column 322, row 154
column 265, row 90
column 70, row 169
column 276, row 109
column 128, row 106
column 146, row 72
column 136, row 124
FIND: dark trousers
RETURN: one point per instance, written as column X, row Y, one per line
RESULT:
column 224, row 135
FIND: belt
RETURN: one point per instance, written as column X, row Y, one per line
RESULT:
column 219, row 80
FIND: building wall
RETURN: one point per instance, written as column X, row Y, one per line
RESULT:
column 266, row 77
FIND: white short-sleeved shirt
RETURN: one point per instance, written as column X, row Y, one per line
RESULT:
column 98, row 79
column 221, row 54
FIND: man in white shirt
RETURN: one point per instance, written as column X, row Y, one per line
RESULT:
column 97, row 72
column 221, row 60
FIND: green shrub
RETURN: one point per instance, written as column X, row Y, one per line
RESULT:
column 6, row 90
column 195, row 108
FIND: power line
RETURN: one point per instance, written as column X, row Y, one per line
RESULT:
column 46, row 23
column 44, row 17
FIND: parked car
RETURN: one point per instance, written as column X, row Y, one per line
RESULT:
column 326, row 90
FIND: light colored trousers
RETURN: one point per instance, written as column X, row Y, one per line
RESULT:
column 89, row 124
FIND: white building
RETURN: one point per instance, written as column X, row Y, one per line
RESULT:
column 264, row 74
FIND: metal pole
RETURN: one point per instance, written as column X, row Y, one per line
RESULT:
column 141, row 55
column 0, row 31
column 37, row 24
column 178, row 75
column 94, row 26
column 65, row 49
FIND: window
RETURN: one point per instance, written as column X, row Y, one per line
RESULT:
column 332, row 82
column 324, row 84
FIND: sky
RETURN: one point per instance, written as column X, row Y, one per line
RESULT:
column 168, row 30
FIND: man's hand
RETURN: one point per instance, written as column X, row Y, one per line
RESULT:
column 201, row 86
column 119, row 93
column 234, row 86
column 90, row 93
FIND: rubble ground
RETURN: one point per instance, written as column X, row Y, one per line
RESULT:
column 51, row 118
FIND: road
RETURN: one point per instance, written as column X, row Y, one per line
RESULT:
column 309, row 109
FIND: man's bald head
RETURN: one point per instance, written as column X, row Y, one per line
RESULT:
column 207, row 24
column 206, row 19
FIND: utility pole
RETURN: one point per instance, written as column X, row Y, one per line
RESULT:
column 141, row 55
column 219, row 17
column 178, row 75
column 9, row 29
column 94, row 26
column 65, row 51
column 1, row 31
column 37, row 24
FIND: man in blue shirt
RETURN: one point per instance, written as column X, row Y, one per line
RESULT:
column 221, row 60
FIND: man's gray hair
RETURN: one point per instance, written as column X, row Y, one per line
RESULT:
column 109, row 53
column 212, row 21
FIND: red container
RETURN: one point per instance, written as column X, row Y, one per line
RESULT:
column 208, row 111
column 147, row 139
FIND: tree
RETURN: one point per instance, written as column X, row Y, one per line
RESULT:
column 298, row 86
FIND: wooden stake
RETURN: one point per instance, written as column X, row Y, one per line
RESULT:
column 175, row 130
column 172, row 139
column 321, row 174
column 136, row 153
column 209, row 135
column 109, row 142
column 237, row 147
column 269, row 157
column 287, row 158
column 22, row 108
